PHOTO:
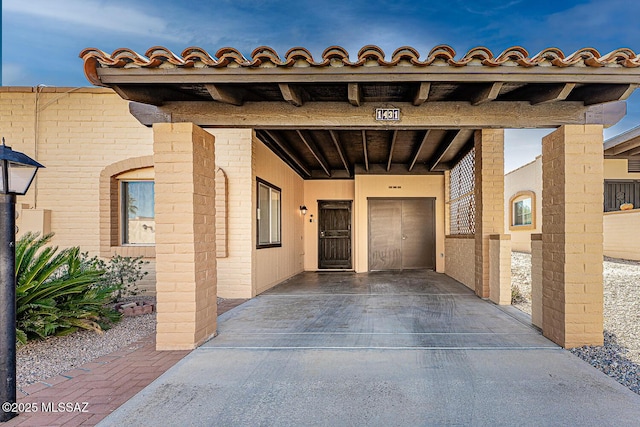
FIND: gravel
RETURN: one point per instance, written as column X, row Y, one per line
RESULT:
column 619, row 357
column 39, row 360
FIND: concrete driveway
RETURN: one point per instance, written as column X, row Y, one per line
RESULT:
column 389, row 349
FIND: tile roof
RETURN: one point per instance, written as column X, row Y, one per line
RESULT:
column 158, row 56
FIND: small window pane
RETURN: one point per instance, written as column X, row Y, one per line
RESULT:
column 268, row 216
column 139, row 212
column 522, row 212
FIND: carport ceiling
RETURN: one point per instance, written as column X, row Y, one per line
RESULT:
column 320, row 116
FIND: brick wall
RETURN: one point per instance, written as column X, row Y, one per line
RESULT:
column 489, row 197
column 459, row 261
column 572, row 198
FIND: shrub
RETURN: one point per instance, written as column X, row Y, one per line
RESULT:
column 516, row 295
column 122, row 274
column 57, row 292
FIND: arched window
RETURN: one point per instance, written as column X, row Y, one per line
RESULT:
column 522, row 211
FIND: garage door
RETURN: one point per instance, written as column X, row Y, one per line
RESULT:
column 401, row 234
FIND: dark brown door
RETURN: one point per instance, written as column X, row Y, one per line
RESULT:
column 334, row 229
column 401, row 234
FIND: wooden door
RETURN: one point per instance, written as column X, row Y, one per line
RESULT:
column 334, row 234
column 401, row 234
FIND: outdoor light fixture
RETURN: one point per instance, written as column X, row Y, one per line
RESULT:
column 303, row 209
column 17, row 171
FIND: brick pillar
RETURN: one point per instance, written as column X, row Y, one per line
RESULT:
column 185, row 235
column 489, row 196
column 500, row 268
column 572, row 254
column 536, row 279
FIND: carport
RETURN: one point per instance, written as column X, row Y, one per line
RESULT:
column 402, row 128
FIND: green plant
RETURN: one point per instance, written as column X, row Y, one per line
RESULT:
column 57, row 292
column 122, row 274
column 516, row 295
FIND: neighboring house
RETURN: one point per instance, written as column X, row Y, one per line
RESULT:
column 260, row 168
column 523, row 199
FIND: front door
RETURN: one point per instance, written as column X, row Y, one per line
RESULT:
column 334, row 229
column 401, row 234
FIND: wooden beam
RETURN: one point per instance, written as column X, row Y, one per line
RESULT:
column 344, row 75
column 291, row 94
column 423, row 93
column 634, row 152
column 226, row 95
column 393, row 144
column 557, row 93
column 340, row 150
column 449, row 139
column 417, row 152
column 140, row 94
column 364, row 148
column 285, row 149
column 316, row 153
column 353, row 93
column 339, row 115
column 488, row 93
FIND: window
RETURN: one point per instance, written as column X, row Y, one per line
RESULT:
column 268, row 215
column 523, row 208
column 138, row 214
column 522, row 212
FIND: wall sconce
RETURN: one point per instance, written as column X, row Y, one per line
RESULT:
column 303, row 209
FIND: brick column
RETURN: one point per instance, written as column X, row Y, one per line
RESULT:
column 572, row 254
column 500, row 268
column 489, row 197
column 185, row 235
column 536, row 279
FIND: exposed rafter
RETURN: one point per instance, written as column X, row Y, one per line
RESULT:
column 288, row 152
column 292, row 94
column 365, row 151
column 601, row 93
column 488, row 93
column 225, row 95
column 316, row 153
column 422, row 94
column 354, row 94
column 558, row 92
column 340, row 150
column 393, row 144
column 138, row 94
column 451, row 139
column 418, row 150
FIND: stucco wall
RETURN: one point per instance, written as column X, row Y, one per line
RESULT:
column 620, row 230
column 618, row 169
column 527, row 177
column 395, row 186
column 273, row 265
column 460, row 259
column 75, row 133
column 234, row 153
column 315, row 190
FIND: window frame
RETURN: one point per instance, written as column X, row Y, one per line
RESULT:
column 520, row 197
column 122, row 217
column 272, row 244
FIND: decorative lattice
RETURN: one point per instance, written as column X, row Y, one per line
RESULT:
column 462, row 205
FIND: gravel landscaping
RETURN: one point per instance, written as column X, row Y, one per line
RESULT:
column 620, row 356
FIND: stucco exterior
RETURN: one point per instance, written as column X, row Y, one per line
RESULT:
column 616, row 225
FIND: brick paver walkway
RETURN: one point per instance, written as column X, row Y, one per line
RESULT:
column 91, row 392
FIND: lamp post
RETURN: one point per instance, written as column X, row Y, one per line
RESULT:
column 17, row 171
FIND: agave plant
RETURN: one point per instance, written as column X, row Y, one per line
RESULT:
column 56, row 292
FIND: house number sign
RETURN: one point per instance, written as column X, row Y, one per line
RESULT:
column 387, row 114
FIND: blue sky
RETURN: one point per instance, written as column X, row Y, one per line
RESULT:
column 41, row 39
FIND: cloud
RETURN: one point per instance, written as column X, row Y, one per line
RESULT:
column 111, row 16
column 13, row 74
